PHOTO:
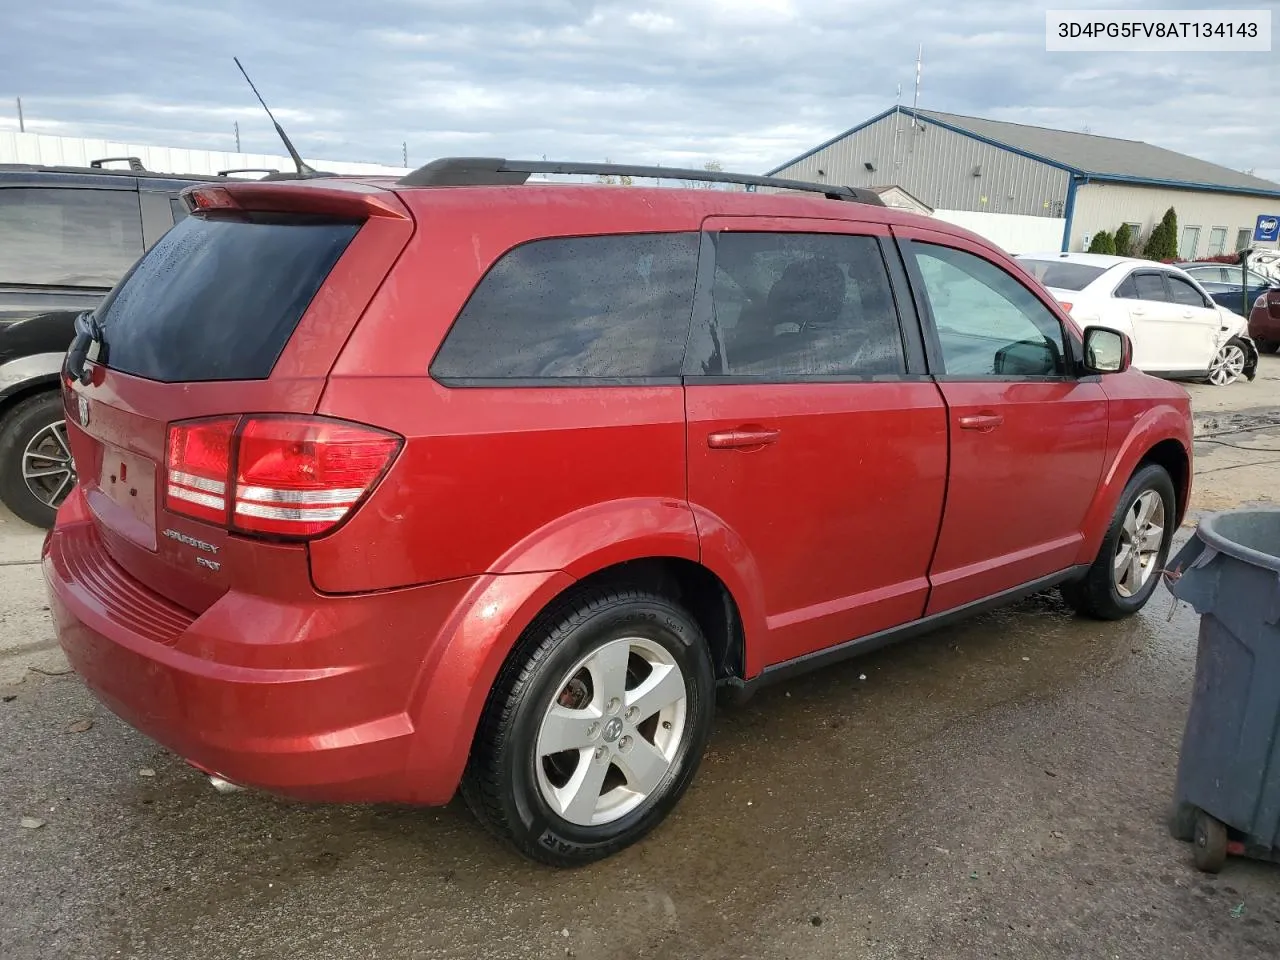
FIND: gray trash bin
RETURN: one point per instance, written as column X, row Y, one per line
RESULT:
column 1227, row 798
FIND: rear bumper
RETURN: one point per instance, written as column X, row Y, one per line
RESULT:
column 311, row 701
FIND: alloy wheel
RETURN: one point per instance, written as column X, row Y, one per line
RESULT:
column 1227, row 366
column 611, row 732
column 47, row 466
column 1138, row 547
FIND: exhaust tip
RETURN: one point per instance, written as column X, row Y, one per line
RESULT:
column 224, row 786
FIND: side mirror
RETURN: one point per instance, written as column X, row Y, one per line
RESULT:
column 1106, row 350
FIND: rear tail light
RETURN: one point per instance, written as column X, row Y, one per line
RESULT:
column 198, row 464
column 275, row 476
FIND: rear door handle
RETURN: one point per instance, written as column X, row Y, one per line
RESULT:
column 742, row 437
column 981, row 421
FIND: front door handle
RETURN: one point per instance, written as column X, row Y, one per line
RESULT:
column 742, row 437
column 985, row 422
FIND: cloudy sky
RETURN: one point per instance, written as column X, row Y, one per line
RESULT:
column 749, row 83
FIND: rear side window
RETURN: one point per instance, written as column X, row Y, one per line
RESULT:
column 802, row 305
column 218, row 299
column 1149, row 286
column 1062, row 274
column 595, row 308
column 1127, row 290
column 68, row 237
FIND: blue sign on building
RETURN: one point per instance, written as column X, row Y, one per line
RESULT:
column 1267, row 229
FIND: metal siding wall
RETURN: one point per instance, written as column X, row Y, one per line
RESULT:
column 936, row 166
column 39, row 148
column 1104, row 206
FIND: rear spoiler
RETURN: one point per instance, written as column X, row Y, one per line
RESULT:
column 337, row 198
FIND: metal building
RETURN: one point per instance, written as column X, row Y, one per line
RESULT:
column 1088, row 183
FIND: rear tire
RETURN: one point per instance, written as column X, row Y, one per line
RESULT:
column 1108, row 592
column 1268, row 346
column 32, row 437
column 587, row 675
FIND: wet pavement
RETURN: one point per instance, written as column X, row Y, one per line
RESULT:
column 999, row 789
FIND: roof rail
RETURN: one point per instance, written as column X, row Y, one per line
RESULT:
column 134, row 163
column 227, row 173
column 494, row 171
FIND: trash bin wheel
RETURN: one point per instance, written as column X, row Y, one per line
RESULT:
column 1209, row 843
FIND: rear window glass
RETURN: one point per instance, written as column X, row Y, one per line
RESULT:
column 606, row 307
column 1062, row 274
column 68, row 237
column 218, row 299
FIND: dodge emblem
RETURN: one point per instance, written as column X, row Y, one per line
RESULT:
column 83, row 405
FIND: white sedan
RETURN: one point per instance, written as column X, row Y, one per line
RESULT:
column 1178, row 332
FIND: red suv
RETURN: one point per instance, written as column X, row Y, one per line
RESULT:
column 391, row 488
column 1264, row 320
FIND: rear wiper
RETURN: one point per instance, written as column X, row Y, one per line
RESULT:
column 88, row 332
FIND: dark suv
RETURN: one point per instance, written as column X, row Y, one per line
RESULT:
column 389, row 488
column 67, row 234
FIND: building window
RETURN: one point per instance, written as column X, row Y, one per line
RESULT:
column 1190, row 242
column 1217, row 241
column 1135, row 240
column 1244, row 236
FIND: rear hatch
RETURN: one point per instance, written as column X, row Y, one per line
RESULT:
column 196, row 450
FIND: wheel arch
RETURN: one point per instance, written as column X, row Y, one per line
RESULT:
column 1161, row 436
column 1171, row 455
column 25, row 391
column 493, row 621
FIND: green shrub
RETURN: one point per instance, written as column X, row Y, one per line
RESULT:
column 1163, row 242
column 1103, row 242
column 1124, row 241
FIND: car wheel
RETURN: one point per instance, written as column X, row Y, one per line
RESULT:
column 1268, row 346
column 1128, row 566
column 594, row 728
column 1228, row 365
column 36, row 469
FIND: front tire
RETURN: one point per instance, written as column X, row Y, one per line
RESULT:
column 594, row 727
column 1133, row 553
column 1228, row 365
column 36, row 470
column 1268, row 346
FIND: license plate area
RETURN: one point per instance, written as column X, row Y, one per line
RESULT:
column 124, row 497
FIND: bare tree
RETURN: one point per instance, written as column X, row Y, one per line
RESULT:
column 622, row 181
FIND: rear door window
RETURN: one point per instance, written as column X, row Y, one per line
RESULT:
column 218, row 299
column 1062, row 274
column 1150, row 286
column 801, row 306
column 70, row 237
column 596, row 308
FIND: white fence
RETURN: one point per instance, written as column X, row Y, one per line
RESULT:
column 1016, row 233
column 43, row 149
